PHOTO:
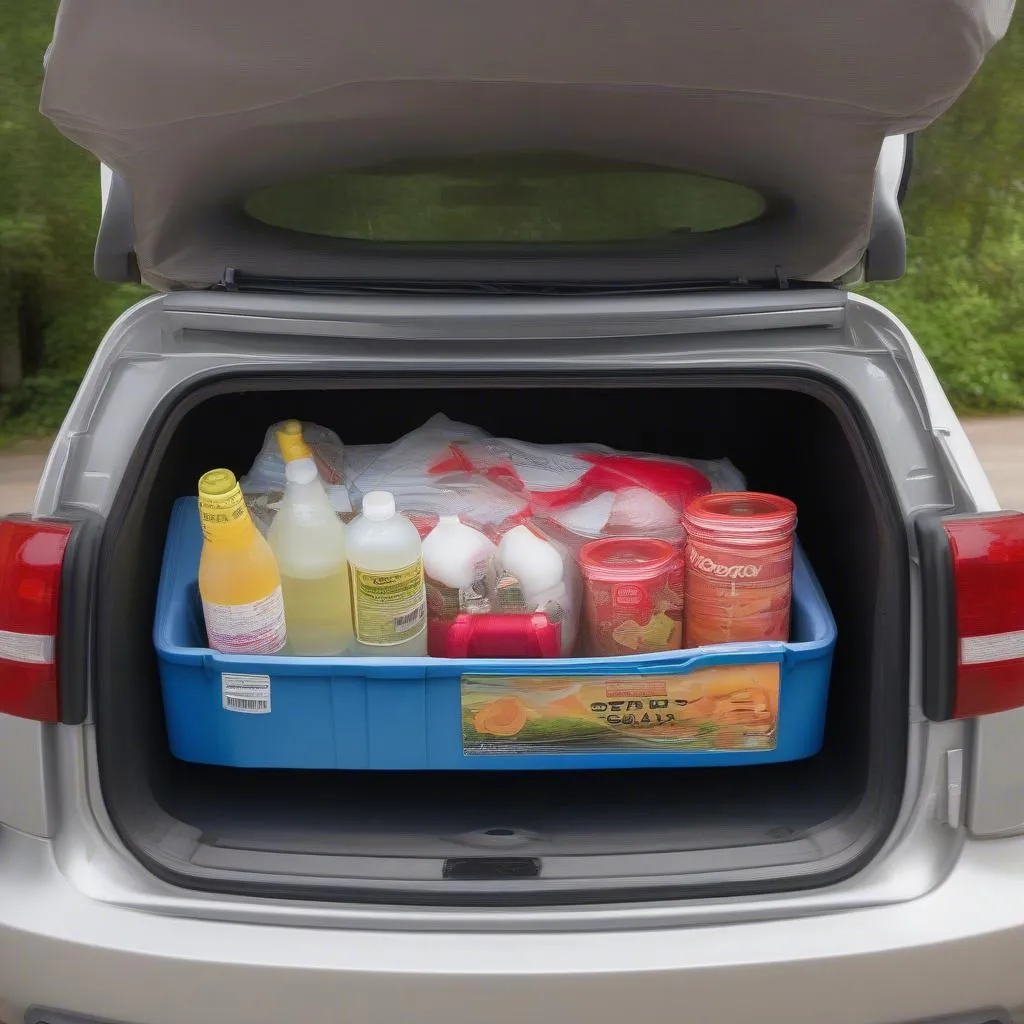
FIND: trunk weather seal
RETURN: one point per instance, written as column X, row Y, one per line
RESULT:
column 938, row 597
column 889, row 738
column 76, row 642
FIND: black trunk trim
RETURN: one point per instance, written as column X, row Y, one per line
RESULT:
column 491, row 869
column 77, row 633
column 938, row 598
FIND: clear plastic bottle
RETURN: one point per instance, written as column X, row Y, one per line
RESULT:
column 239, row 581
column 308, row 540
column 389, row 603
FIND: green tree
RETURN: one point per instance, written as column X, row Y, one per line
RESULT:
column 52, row 310
column 963, row 294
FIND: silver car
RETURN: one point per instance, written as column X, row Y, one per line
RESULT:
column 626, row 223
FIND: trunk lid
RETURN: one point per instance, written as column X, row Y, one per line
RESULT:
column 659, row 141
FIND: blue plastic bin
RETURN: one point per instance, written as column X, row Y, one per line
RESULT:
column 729, row 705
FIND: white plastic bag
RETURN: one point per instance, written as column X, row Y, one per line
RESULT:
column 405, row 465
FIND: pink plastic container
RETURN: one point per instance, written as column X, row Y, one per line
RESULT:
column 633, row 596
column 739, row 568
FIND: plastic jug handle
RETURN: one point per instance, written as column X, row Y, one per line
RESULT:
column 503, row 636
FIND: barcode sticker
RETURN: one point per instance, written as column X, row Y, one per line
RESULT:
column 413, row 618
column 248, row 695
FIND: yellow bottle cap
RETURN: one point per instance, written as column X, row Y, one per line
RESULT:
column 218, row 484
column 293, row 445
column 221, row 505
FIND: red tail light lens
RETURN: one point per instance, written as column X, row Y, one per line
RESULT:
column 31, row 557
column 988, row 575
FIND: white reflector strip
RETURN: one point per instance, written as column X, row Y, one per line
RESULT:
column 29, row 648
column 982, row 650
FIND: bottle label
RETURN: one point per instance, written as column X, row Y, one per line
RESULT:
column 255, row 628
column 731, row 707
column 221, row 512
column 389, row 608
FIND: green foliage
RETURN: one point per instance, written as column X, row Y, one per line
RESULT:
column 53, row 312
column 963, row 296
column 973, row 338
column 37, row 406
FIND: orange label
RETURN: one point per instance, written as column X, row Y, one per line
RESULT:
column 727, row 707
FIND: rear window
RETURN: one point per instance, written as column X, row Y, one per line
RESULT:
column 545, row 198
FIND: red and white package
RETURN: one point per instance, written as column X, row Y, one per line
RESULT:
column 551, row 472
column 589, row 491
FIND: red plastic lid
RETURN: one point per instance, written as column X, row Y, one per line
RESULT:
column 741, row 515
column 626, row 558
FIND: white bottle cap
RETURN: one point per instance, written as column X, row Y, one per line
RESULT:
column 301, row 471
column 379, row 506
column 448, row 520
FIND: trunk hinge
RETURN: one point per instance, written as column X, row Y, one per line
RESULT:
column 227, row 281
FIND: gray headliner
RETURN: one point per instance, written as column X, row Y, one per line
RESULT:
column 195, row 105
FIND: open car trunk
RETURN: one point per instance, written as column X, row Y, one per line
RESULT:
column 532, row 837
column 199, row 107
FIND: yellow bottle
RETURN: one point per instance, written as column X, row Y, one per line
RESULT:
column 308, row 540
column 239, row 581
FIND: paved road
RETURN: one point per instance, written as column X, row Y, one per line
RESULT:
column 999, row 441
column 20, row 467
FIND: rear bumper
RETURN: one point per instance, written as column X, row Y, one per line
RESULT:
column 955, row 950
column 39, row 1015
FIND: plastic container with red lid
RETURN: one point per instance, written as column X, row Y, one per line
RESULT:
column 739, row 568
column 633, row 596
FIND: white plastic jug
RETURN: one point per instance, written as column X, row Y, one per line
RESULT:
column 456, row 555
column 389, row 604
column 547, row 579
column 534, row 561
column 458, row 562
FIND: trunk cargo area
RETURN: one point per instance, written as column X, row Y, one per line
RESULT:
column 505, row 838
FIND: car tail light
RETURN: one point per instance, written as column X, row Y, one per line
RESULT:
column 973, row 590
column 31, row 560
